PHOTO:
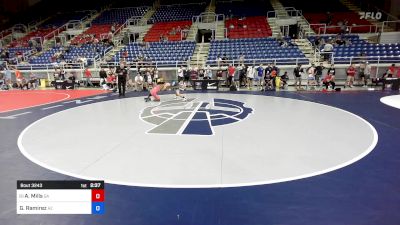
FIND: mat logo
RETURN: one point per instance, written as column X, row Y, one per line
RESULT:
column 193, row 117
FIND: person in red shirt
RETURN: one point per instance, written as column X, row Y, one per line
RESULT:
column 328, row 80
column 19, row 77
column 351, row 71
column 391, row 70
column 88, row 75
column 231, row 74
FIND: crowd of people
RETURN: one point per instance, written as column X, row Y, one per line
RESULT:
column 270, row 77
column 262, row 77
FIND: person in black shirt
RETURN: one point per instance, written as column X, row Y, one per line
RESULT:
column 297, row 72
column 268, row 78
column 332, row 71
column 122, row 73
column 318, row 73
column 102, row 73
column 242, row 76
column 284, row 80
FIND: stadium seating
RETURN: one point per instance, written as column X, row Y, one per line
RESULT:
column 47, row 27
column 352, row 18
column 40, row 33
column 161, row 52
column 62, row 18
column 165, row 28
column 255, row 48
column 166, row 13
column 88, row 51
column 316, row 6
column 96, row 30
column 124, row 3
column 343, row 54
column 120, row 15
column 243, row 8
column 17, row 50
column 318, row 15
column 249, row 27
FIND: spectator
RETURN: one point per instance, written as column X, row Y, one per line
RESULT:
column 317, row 42
column 173, row 31
column 208, row 72
column 201, row 73
column 351, row 71
column 367, row 74
column 328, row 80
column 224, row 60
column 33, row 81
column 260, row 74
column 318, row 73
column 231, row 75
column 220, row 77
column 311, row 76
column 88, row 76
column 329, row 18
column 391, row 71
column 297, row 72
column 327, row 51
column 268, row 78
column 19, row 77
column 332, row 71
column 125, row 55
column 250, row 77
column 102, row 73
column 180, row 73
column 111, row 80
column 284, row 80
column 139, row 82
column 241, row 59
column 186, row 74
column 219, row 61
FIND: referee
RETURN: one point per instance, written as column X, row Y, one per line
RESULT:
column 122, row 73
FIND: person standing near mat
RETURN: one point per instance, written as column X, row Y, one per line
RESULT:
column 122, row 75
column 351, row 71
column 231, row 74
column 297, row 77
column 88, row 76
column 250, row 76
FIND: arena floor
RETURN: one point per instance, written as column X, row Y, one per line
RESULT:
column 223, row 158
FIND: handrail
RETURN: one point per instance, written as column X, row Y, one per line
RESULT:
column 200, row 18
column 55, row 32
column 20, row 26
column 192, row 3
column 137, row 7
column 275, row 15
column 4, row 33
column 172, row 63
column 322, row 29
column 387, row 23
column 288, row 10
column 49, row 66
column 234, row 62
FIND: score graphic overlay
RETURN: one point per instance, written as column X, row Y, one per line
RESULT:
column 60, row 197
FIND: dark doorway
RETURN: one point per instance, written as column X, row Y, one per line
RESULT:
column 205, row 35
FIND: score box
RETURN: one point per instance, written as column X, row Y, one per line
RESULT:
column 60, row 197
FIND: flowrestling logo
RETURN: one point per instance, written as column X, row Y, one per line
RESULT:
column 191, row 117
